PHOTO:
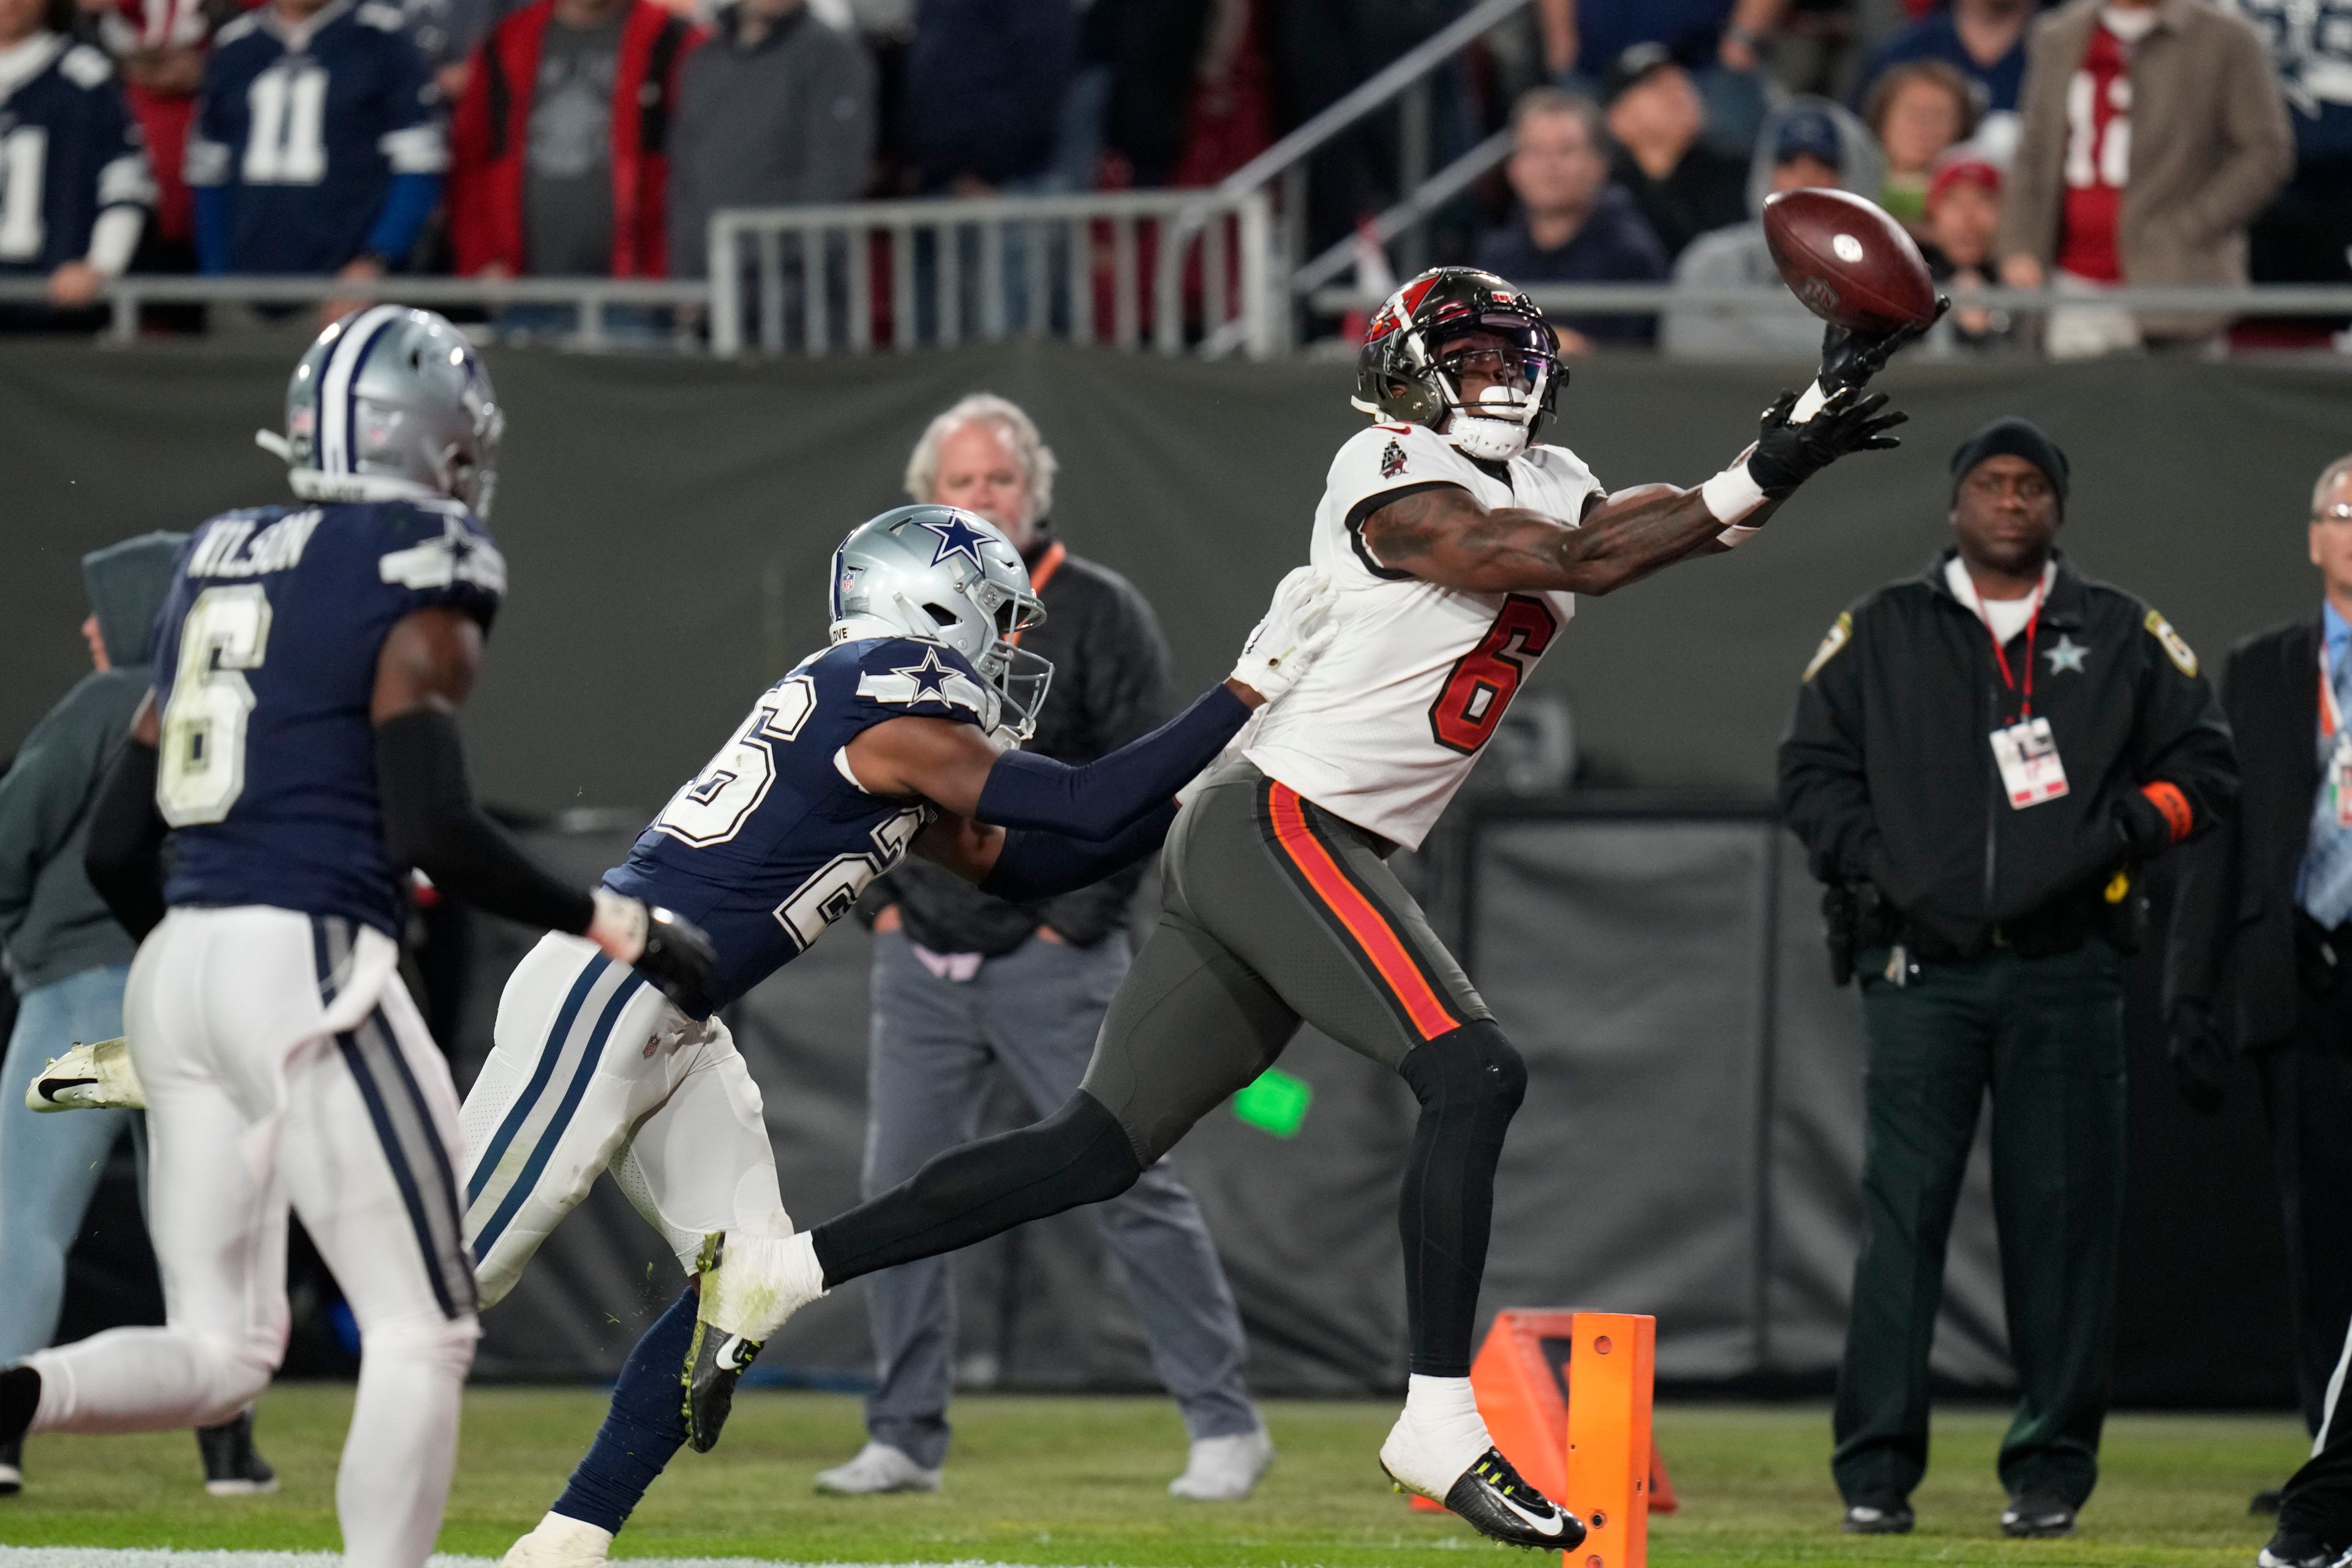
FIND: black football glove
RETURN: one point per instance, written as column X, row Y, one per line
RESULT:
column 1786, row 455
column 1850, row 359
column 677, row 958
column 2201, row 1057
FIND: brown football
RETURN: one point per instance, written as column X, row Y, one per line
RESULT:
column 1848, row 261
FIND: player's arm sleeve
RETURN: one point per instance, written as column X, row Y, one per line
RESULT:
column 2181, row 752
column 1040, row 865
column 123, row 857
column 126, row 188
column 431, row 821
column 1824, row 787
column 1099, row 800
column 204, row 166
column 1123, row 678
column 417, row 148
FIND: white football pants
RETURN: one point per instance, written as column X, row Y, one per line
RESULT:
column 593, row 1069
column 283, row 1059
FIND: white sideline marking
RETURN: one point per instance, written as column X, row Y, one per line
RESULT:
column 151, row 1557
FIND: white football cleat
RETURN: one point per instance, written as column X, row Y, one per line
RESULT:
column 1488, row 1494
column 1224, row 1469
column 557, row 1541
column 877, row 1468
column 94, row 1077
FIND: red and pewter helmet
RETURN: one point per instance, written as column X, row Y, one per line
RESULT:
column 1408, row 369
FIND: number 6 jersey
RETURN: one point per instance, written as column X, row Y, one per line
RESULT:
column 1383, row 728
column 265, row 655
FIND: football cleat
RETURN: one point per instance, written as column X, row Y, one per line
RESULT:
column 714, row 1360
column 233, row 1466
column 94, row 1077
column 2291, row 1548
column 1490, row 1495
column 11, row 1467
column 877, row 1467
column 557, row 1541
column 1881, row 1513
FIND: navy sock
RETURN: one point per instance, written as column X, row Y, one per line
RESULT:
column 645, row 1427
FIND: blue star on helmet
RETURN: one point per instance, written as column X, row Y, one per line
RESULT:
column 957, row 537
column 930, row 677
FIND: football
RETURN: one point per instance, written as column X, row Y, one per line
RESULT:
column 1848, row 261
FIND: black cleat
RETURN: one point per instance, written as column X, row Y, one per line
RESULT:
column 2291, row 1548
column 1879, row 1513
column 1500, row 1505
column 713, row 1364
column 2037, row 1516
column 233, row 1466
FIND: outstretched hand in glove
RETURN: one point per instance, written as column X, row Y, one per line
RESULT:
column 1849, row 359
column 1786, row 454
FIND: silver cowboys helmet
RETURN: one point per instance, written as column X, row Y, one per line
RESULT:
column 391, row 404
column 939, row 574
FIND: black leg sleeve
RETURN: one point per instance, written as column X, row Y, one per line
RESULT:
column 1469, row 1082
column 123, row 857
column 1077, row 1156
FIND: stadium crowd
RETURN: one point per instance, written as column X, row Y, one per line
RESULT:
column 595, row 137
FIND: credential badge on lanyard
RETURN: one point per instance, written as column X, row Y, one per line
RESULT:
column 2025, row 752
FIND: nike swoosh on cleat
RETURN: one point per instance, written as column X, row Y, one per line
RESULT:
column 53, row 1086
column 728, row 1357
column 1547, row 1525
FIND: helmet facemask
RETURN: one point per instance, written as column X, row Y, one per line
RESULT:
column 1516, row 358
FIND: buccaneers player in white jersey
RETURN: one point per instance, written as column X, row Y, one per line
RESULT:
column 1457, row 549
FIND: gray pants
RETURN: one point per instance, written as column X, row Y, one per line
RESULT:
column 1034, row 1012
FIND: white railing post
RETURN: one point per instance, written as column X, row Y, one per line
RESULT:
column 723, row 267
column 1267, row 306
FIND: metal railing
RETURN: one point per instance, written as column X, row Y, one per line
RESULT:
column 1164, row 269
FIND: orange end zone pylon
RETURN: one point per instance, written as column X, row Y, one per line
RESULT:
column 1566, row 1397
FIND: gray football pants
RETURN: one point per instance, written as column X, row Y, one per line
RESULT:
column 1034, row 1013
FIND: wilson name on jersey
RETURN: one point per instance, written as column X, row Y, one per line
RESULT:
column 1385, row 727
column 774, row 840
column 265, row 670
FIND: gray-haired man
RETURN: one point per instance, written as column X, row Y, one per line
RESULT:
column 964, row 981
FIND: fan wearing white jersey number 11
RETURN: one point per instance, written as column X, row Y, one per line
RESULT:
column 1456, row 548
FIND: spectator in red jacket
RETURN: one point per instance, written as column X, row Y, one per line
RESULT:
column 559, row 160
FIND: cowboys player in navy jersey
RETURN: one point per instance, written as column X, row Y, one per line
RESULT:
column 300, row 748
column 73, row 182
column 897, row 736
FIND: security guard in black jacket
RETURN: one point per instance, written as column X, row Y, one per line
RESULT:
column 1982, row 759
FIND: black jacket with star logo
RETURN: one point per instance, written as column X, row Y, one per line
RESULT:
column 1887, row 772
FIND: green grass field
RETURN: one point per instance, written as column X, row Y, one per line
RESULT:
column 1082, row 1481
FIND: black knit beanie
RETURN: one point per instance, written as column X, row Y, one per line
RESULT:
column 2011, row 436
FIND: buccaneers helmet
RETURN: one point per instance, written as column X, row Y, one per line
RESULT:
column 1410, row 368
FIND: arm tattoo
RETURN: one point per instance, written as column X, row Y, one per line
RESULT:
column 1445, row 537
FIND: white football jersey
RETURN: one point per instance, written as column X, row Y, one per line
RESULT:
column 1382, row 730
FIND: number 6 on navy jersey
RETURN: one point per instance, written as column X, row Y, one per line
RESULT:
column 201, row 770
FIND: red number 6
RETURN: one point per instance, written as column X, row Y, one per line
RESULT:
column 1484, row 680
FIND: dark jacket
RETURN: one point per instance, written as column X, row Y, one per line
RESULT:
column 1706, row 191
column 788, row 121
column 1615, row 246
column 1888, row 776
column 2232, row 941
column 52, row 922
column 1111, row 685
column 984, row 84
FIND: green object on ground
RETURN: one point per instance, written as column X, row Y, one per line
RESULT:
column 1084, row 1480
column 1274, row 1101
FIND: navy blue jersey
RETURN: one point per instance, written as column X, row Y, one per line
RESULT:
column 68, row 151
column 305, row 130
column 265, row 666
column 772, row 841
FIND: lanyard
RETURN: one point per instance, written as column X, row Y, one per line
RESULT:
column 2032, row 630
column 1041, row 574
column 2330, row 721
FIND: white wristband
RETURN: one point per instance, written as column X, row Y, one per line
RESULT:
column 618, row 926
column 1732, row 494
column 1809, row 405
column 1735, row 536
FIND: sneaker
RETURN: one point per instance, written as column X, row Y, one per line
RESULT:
column 11, row 1467
column 1880, row 1513
column 2291, row 1548
column 1488, row 1493
column 2037, row 1516
column 93, row 1077
column 877, row 1468
column 233, row 1466
column 557, row 1541
column 1224, row 1469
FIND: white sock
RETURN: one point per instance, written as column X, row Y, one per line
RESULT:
column 761, row 1281
column 1445, row 1416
